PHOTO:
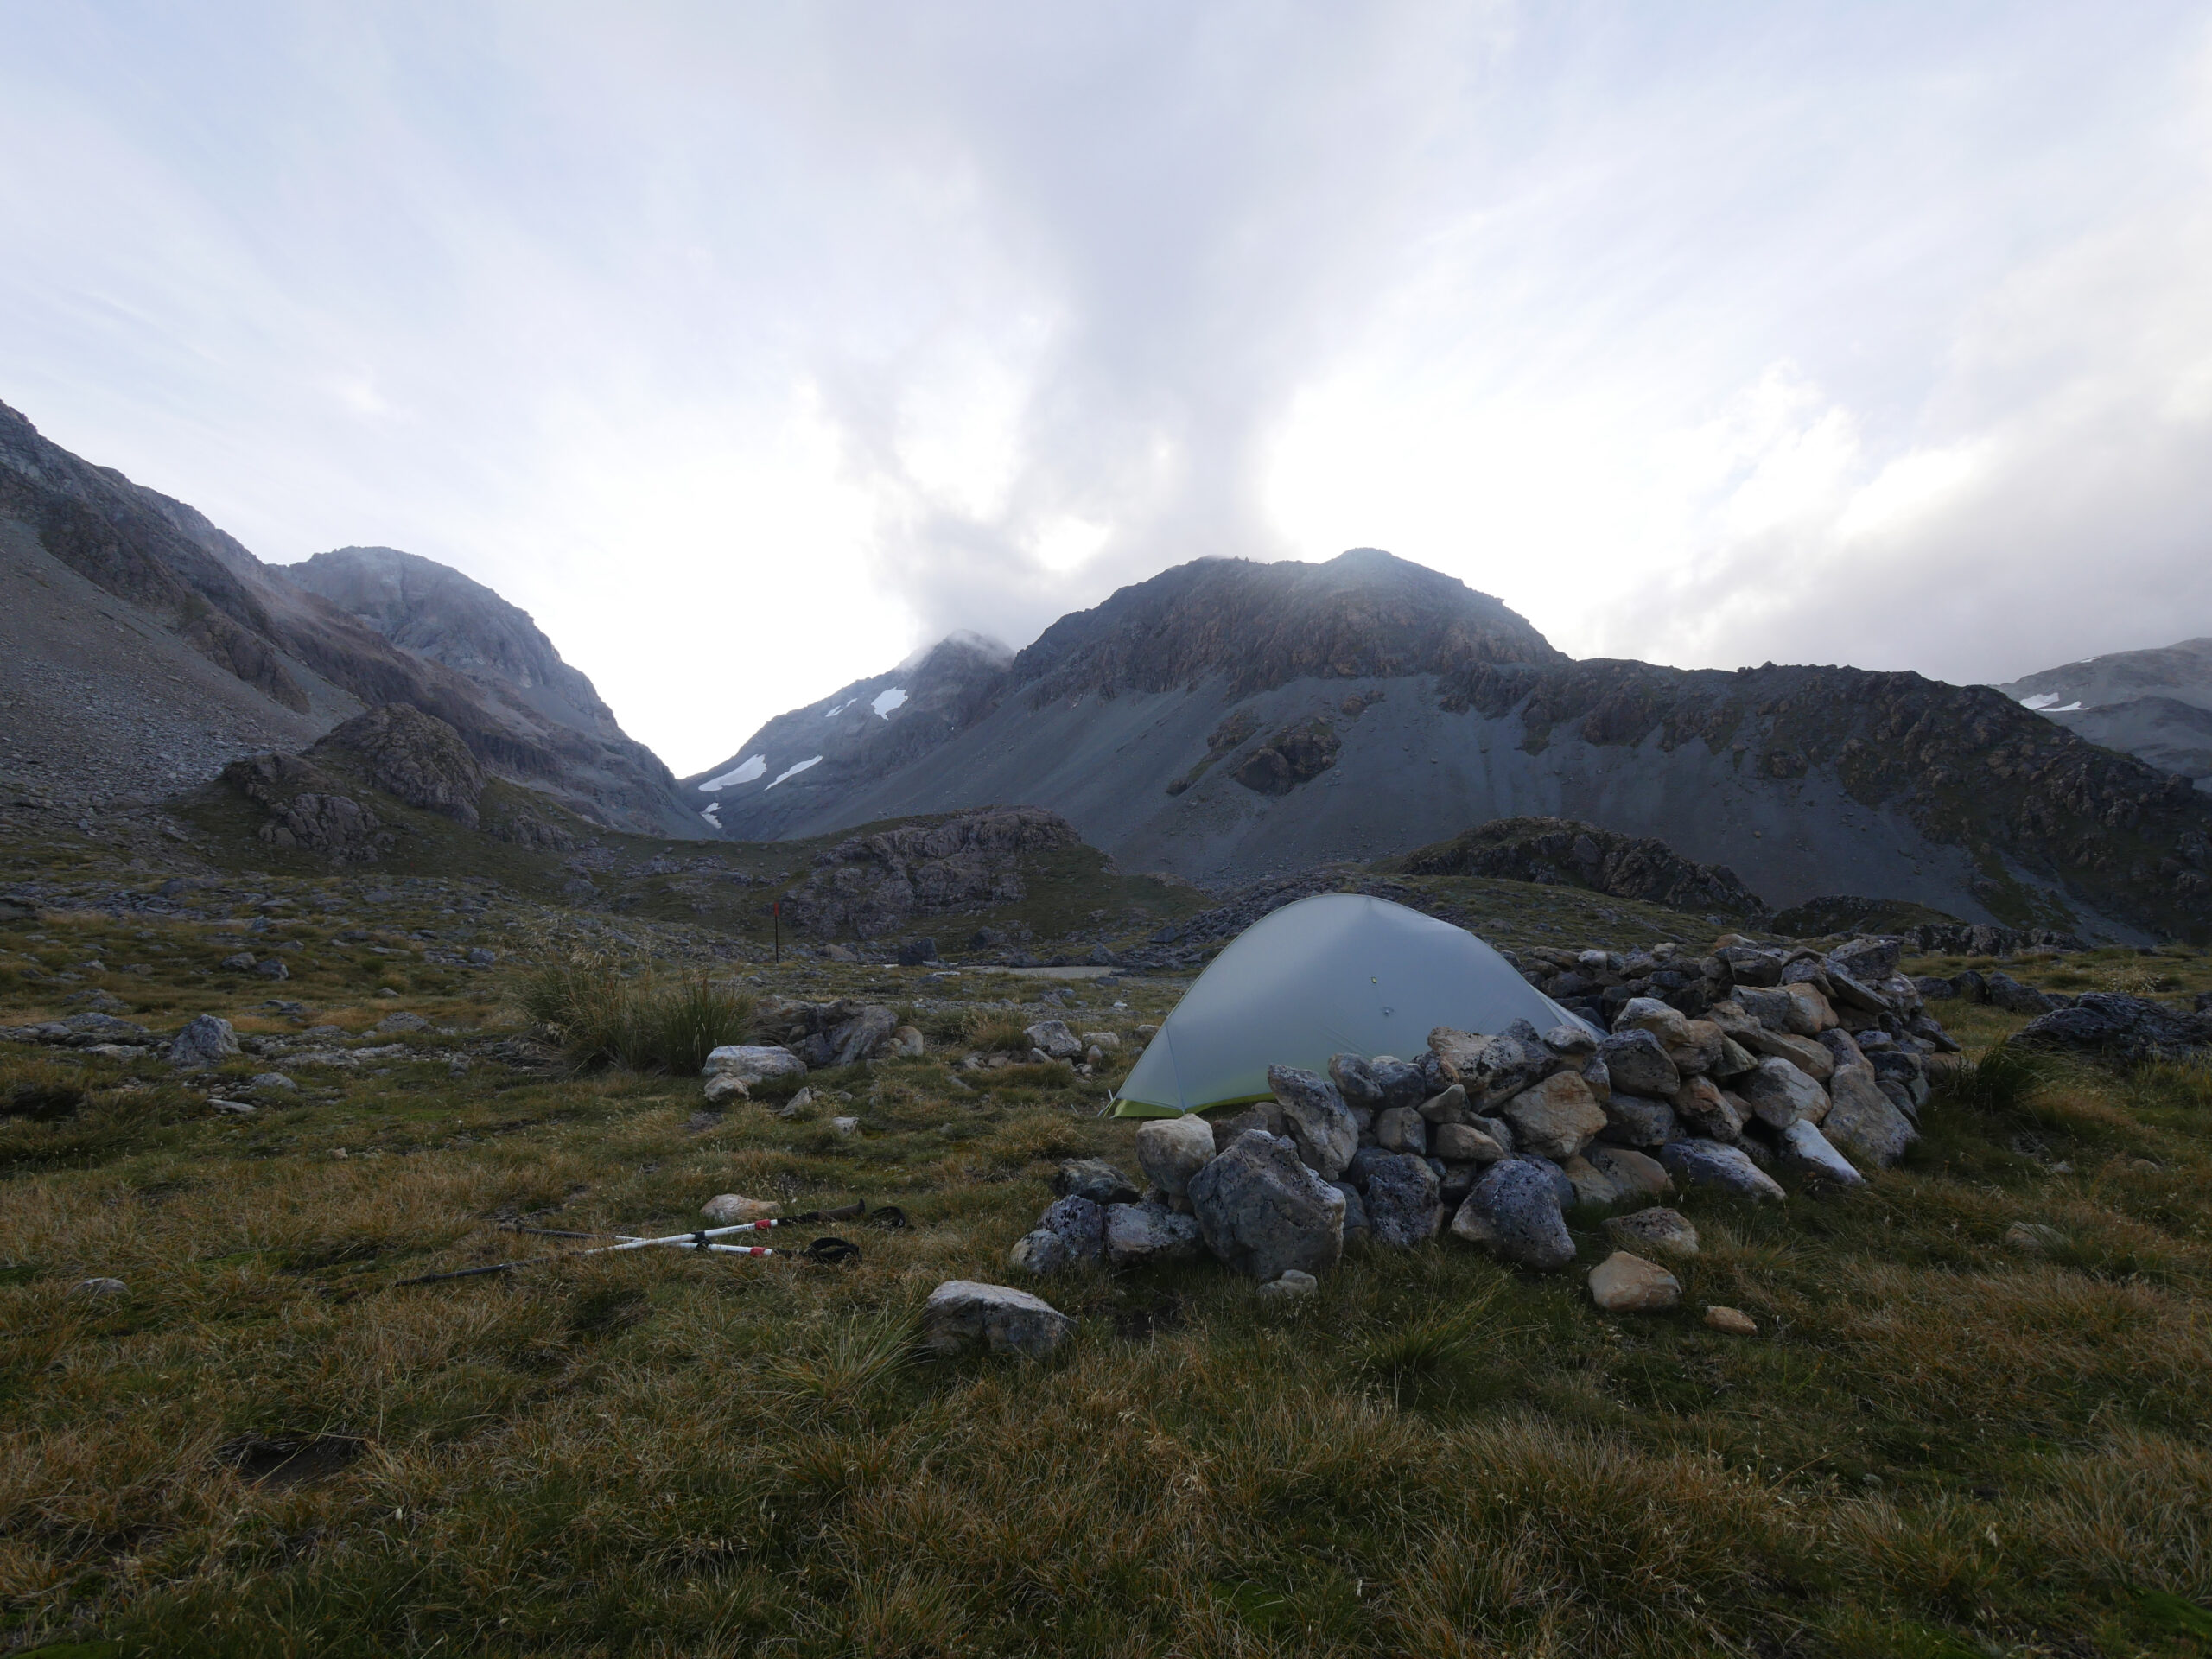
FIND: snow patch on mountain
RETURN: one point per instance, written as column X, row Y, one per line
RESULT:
column 793, row 771
column 886, row 701
column 751, row 767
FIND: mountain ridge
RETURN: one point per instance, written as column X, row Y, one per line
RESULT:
column 1339, row 722
column 177, row 595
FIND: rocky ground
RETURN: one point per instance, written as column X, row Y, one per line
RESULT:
column 1952, row 1407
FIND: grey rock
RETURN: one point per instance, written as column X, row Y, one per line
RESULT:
column 1724, row 1169
column 1324, row 1128
column 272, row 969
column 1863, row 1122
column 1263, row 1211
column 1363, row 1165
column 1171, row 1150
column 1498, row 1130
column 480, row 957
column 1873, row 960
column 1401, row 1128
column 1803, row 1147
column 1096, row 1179
column 1290, row 1286
column 275, row 1083
column 1356, row 1081
column 2107, row 1025
column 1054, row 1038
column 962, row 1313
column 1449, row 1106
column 1401, row 1195
column 403, row 1020
column 1779, row 1094
column 1137, row 1233
column 1515, row 1210
column 86, row 1030
column 752, row 1062
column 1041, row 1253
column 1463, row 1143
column 98, row 1289
column 1637, row 1063
column 1633, row 1121
column 1355, row 1210
column 1081, row 1223
column 1401, row 1081
column 207, row 1041
column 1572, row 1042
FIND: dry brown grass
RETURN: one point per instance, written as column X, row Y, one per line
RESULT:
column 1938, row 1444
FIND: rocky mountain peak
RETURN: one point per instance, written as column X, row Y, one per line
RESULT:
column 1365, row 613
column 434, row 610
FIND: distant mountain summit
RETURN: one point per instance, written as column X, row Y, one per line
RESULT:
column 2155, row 704
column 143, row 649
column 1227, row 720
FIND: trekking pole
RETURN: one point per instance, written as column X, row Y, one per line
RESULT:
column 821, row 1249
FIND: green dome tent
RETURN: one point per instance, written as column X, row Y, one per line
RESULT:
column 1333, row 973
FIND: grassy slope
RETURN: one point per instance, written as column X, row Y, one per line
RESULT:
column 1936, row 1446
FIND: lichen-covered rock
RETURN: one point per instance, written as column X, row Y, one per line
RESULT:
column 1638, row 1065
column 1401, row 1196
column 1356, row 1081
column 1401, row 1128
column 1263, row 1211
column 728, row 1209
column 1515, row 1210
column 1632, row 1173
column 962, row 1313
column 1081, row 1223
column 1632, row 1121
column 1139, row 1233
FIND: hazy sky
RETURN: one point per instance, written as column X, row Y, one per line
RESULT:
column 750, row 345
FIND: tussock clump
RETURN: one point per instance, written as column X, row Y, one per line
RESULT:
column 603, row 1012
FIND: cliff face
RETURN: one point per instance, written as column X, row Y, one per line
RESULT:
column 1225, row 722
column 198, row 601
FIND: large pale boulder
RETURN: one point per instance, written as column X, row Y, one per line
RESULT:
column 1628, row 1284
column 1657, row 1232
column 1263, row 1210
column 1054, row 1040
column 1171, row 1150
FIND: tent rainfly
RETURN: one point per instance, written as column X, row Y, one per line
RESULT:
column 1337, row 973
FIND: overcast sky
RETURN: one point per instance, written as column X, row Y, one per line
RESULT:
column 748, row 347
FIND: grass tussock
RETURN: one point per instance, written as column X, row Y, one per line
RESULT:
column 603, row 1011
